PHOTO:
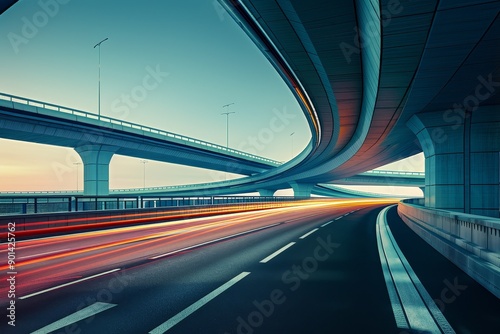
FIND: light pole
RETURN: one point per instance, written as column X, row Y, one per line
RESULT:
column 291, row 135
column 227, row 121
column 77, row 172
column 99, row 85
column 144, row 162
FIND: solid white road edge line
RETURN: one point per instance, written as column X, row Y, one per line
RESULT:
column 397, row 309
column 69, row 283
column 195, row 306
column 431, row 305
column 84, row 313
column 419, row 308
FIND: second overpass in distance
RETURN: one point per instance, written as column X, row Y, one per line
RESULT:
column 97, row 139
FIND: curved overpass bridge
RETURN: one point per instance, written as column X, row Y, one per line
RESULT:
column 380, row 81
column 383, row 80
column 375, row 177
column 98, row 139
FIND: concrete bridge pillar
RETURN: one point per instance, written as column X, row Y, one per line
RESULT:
column 423, row 190
column 266, row 192
column 302, row 189
column 461, row 159
column 96, row 159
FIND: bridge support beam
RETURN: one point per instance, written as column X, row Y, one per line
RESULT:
column 96, row 159
column 461, row 159
column 302, row 189
column 266, row 192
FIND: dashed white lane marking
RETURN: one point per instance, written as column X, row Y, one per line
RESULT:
column 211, row 241
column 195, row 306
column 308, row 233
column 282, row 249
column 327, row 223
column 84, row 313
column 67, row 284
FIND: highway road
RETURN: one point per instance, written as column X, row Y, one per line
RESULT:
column 314, row 268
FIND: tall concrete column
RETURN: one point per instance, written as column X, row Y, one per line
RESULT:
column 423, row 190
column 96, row 159
column 302, row 189
column 266, row 192
column 461, row 159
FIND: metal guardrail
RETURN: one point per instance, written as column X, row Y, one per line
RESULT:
column 393, row 173
column 114, row 191
column 113, row 121
column 61, row 204
column 178, row 187
column 354, row 192
column 184, row 186
column 47, row 192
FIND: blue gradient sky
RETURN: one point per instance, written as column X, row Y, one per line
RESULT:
column 204, row 59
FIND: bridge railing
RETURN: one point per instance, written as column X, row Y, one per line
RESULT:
column 168, row 188
column 118, row 192
column 393, row 173
column 41, row 192
column 113, row 121
column 472, row 242
column 22, row 205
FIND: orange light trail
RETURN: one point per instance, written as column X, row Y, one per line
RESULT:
column 91, row 252
column 135, row 218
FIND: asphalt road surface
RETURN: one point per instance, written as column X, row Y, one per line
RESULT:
column 309, row 269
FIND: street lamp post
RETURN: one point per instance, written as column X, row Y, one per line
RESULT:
column 144, row 162
column 99, row 84
column 227, row 121
column 291, row 135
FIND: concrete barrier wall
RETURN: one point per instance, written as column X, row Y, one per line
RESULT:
column 471, row 242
